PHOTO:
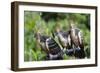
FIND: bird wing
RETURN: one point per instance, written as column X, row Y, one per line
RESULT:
column 80, row 37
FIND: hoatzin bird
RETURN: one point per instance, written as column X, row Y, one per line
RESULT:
column 64, row 40
column 55, row 52
column 50, row 46
column 77, row 41
column 71, row 41
column 41, row 39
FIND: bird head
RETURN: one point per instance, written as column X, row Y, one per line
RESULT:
column 72, row 24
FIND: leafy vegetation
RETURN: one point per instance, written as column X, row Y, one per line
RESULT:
column 46, row 22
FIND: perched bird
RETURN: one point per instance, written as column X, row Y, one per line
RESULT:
column 64, row 40
column 77, row 41
column 41, row 39
column 63, row 37
column 55, row 52
column 71, row 42
column 49, row 45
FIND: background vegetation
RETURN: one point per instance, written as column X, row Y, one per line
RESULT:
column 46, row 23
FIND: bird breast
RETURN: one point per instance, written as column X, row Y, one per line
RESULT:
column 74, row 37
column 63, row 39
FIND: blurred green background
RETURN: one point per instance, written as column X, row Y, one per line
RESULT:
column 46, row 22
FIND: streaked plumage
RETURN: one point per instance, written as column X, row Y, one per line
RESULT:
column 50, row 46
column 41, row 39
column 71, row 41
column 55, row 51
column 63, row 37
column 77, row 41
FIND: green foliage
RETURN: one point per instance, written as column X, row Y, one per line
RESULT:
column 34, row 21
